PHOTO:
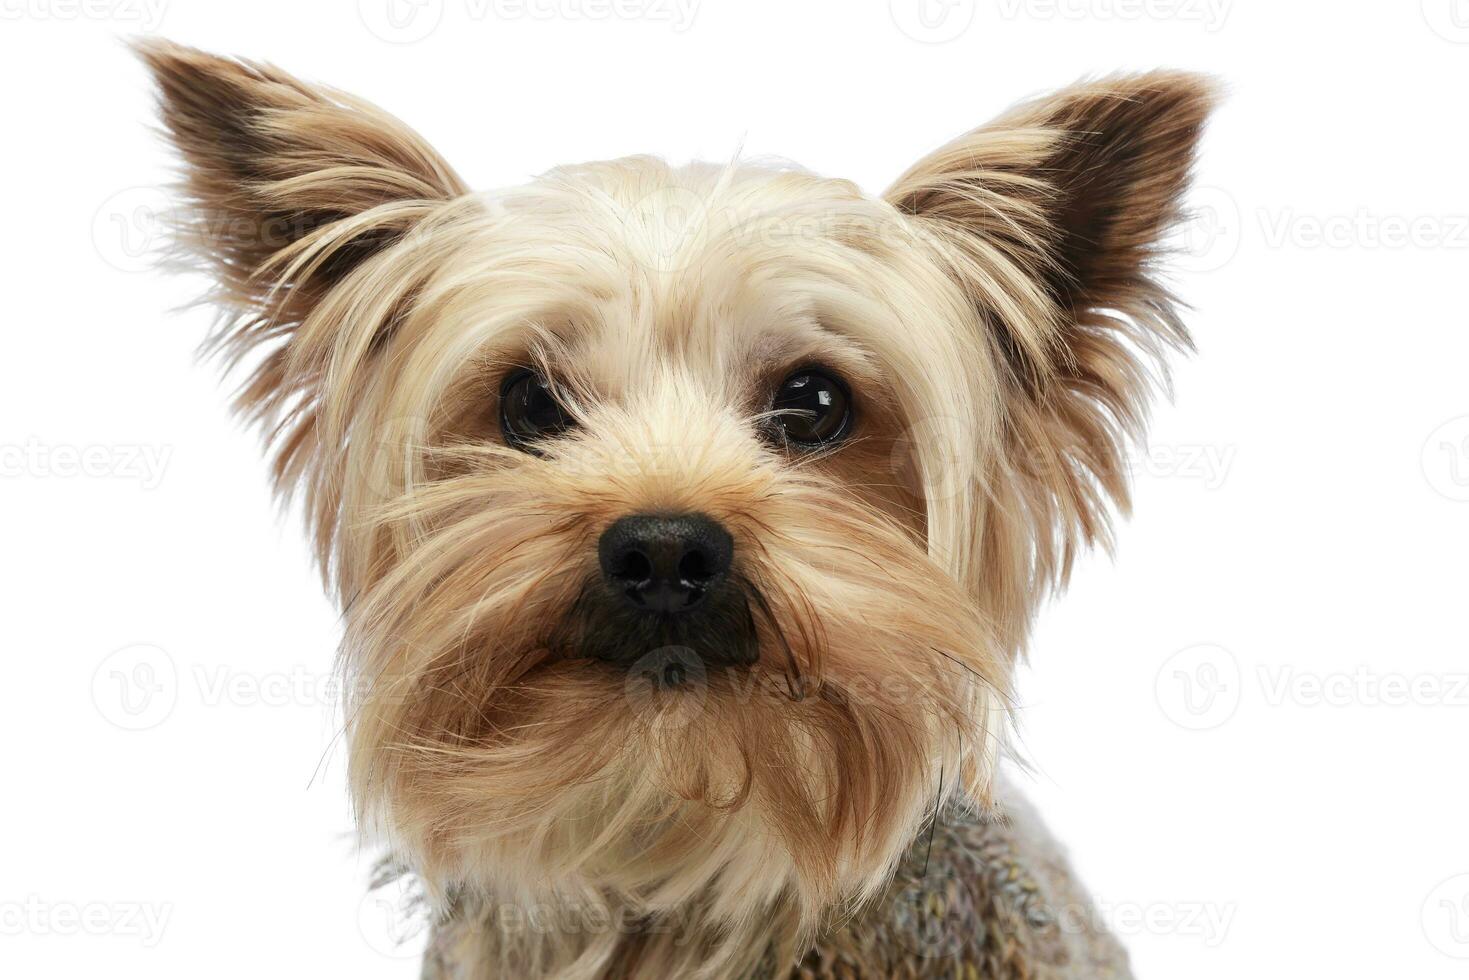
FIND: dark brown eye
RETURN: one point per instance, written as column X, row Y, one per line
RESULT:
column 813, row 408
column 529, row 411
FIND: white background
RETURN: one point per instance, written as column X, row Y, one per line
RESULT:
column 1214, row 717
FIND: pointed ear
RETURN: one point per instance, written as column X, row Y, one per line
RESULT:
column 271, row 163
column 1052, row 218
column 1076, row 188
column 302, row 203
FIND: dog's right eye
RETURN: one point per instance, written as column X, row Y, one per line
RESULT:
column 813, row 409
column 529, row 411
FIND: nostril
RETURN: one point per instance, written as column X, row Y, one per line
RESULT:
column 631, row 566
column 694, row 567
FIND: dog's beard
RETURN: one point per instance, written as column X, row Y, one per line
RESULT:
column 509, row 731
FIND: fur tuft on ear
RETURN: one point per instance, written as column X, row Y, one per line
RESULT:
column 1052, row 218
column 270, row 161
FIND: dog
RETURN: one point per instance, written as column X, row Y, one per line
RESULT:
column 688, row 523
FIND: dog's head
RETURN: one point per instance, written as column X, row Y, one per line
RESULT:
column 686, row 521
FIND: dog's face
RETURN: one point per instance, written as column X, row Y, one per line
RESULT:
column 686, row 522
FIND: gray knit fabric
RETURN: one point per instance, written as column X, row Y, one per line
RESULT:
column 996, row 901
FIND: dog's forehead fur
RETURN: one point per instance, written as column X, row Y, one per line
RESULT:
column 613, row 270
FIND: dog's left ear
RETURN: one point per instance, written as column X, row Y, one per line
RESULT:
column 1052, row 218
column 271, row 160
column 290, row 191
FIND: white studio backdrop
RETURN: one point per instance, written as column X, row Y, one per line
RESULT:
column 1249, row 726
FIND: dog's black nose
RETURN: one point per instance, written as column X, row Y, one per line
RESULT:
column 665, row 564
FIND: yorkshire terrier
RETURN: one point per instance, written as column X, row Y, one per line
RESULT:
column 688, row 522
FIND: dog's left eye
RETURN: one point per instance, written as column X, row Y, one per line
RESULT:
column 813, row 408
column 529, row 411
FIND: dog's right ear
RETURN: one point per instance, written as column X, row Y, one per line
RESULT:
column 1053, row 219
column 1058, row 213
